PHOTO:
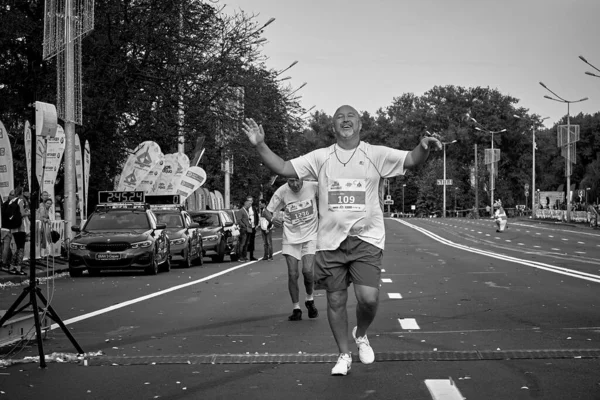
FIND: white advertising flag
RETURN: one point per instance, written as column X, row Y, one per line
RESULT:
column 79, row 176
column 148, row 182
column 165, row 182
column 143, row 159
column 27, row 134
column 55, row 147
column 7, row 181
column 192, row 179
column 86, row 175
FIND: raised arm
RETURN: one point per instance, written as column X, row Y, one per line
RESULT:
column 420, row 153
column 256, row 135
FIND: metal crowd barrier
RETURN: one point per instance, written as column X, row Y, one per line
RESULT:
column 51, row 249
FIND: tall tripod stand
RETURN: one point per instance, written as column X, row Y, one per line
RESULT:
column 32, row 290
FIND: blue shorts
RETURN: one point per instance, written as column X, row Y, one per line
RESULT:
column 354, row 261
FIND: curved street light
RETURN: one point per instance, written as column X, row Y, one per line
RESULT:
column 483, row 129
column 533, row 146
column 285, row 69
column 568, row 159
column 588, row 63
column 300, row 87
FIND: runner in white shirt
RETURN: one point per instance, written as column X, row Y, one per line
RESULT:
column 298, row 200
column 351, row 233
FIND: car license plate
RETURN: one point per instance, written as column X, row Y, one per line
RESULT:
column 108, row 256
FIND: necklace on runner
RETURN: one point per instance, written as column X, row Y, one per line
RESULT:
column 341, row 162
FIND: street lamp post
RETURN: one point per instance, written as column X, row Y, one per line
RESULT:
column 444, row 207
column 586, row 196
column 481, row 128
column 455, row 212
column 533, row 207
column 403, row 186
column 569, row 144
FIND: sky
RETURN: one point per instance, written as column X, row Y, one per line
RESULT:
column 366, row 53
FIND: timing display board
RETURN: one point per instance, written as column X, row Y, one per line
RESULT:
column 111, row 197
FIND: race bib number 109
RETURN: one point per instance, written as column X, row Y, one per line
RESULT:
column 346, row 194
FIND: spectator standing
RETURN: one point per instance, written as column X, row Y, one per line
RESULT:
column 266, row 229
column 20, row 233
column 245, row 230
column 6, row 233
column 253, row 217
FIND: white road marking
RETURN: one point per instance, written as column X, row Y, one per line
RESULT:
column 538, row 247
column 386, row 280
column 408, row 323
column 151, row 295
column 443, row 389
column 580, row 252
column 555, row 249
column 395, row 295
column 382, row 270
column 534, row 264
column 564, row 239
column 580, row 243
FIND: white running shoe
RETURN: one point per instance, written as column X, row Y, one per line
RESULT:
column 365, row 352
column 343, row 365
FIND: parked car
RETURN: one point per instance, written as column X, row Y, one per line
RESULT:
column 184, row 235
column 217, row 235
column 116, row 238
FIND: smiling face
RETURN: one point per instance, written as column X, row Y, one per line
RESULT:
column 346, row 123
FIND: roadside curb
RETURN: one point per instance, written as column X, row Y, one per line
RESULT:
column 60, row 266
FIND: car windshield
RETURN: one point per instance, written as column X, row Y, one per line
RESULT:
column 171, row 219
column 207, row 220
column 117, row 220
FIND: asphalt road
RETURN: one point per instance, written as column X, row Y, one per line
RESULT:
column 464, row 310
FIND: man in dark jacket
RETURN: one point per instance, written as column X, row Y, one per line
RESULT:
column 253, row 216
column 245, row 230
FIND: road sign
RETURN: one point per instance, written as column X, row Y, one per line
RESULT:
column 388, row 197
column 526, row 187
column 441, row 181
column 526, row 193
column 388, row 202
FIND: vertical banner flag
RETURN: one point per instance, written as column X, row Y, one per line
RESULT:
column 220, row 200
column 143, row 159
column 86, row 176
column 148, row 182
column 79, row 176
column 40, row 160
column 7, row 181
column 191, row 179
column 183, row 163
column 165, row 182
column 55, row 147
column 28, row 152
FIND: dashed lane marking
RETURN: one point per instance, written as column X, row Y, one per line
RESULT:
column 386, row 280
column 408, row 323
column 394, row 295
column 443, row 389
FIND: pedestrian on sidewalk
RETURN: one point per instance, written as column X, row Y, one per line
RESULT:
column 19, row 233
column 298, row 200
column 351, row 233
column 266, row 229
column 500, row 216
column 245, row 230
column 253, row 218
column 6, row 233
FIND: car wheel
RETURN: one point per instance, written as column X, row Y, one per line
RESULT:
column 152, row 269
column 94, row 272
column 220, row 252
column 75, row 273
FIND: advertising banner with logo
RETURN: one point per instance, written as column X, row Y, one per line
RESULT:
column 7, row 180
column 55, row 147
column 192, row 179
column 165, row 182
column 86, row 175
column 40, row 155
column 27, row 137
column 79, row 176
column 206, row 198
column 183, row 163
column 143, row 159
column 213, row 201
column 147, row 184
column 201, row 199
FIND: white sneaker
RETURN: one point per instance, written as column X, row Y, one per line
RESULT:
column 365, row 352
column 343, row 365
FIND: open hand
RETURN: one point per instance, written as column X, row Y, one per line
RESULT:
column 431, row 143
column 255, row 132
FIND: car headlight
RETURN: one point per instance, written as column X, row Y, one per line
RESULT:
column 178, row 241
column 208, row 238
column 145, row 243
column 77, row 246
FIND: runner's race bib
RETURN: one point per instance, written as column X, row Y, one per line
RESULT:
column 347, row 195
column 301, row 212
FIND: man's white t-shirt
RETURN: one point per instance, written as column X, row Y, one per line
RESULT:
column 350, row 195
column 300, row 209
